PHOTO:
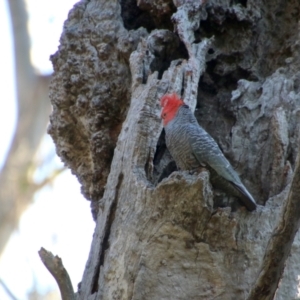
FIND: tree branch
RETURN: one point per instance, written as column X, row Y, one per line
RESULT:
column 55, row 267
column 33, row 110
column 25, row 74
column 34, row 187
column 7, row 290
column 279, row 246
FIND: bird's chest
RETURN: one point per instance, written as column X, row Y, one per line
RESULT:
column 178, row 143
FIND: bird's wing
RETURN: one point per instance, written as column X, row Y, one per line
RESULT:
column 207, row 151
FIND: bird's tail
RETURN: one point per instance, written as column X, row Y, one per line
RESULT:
column 248, row 200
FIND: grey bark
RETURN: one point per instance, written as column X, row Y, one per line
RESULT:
column 279, row 245
column 164, row 237
column 16, row 184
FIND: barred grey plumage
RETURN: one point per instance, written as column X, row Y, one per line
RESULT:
column 191, row 146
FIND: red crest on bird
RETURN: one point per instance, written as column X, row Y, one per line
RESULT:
column 170, row 104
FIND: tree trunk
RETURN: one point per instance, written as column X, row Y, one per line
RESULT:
column 169, row 235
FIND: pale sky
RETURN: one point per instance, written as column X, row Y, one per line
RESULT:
column 59, row 218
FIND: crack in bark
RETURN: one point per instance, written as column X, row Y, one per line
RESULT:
column 105, row 242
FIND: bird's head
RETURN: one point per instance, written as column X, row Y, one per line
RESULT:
column 170, row 104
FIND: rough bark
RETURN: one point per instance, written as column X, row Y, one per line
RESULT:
column 279, row 245
column 16, row 183
column 162, row 236
column 90, row 92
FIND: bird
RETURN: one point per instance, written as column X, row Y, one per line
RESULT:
column 192, row 147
